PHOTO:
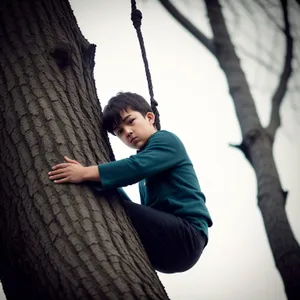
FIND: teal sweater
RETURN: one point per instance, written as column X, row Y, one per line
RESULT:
column 167, row 179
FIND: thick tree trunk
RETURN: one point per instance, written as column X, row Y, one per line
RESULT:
column 58, row 241
column 257, row 146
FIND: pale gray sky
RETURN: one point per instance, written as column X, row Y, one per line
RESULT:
column 194, row 103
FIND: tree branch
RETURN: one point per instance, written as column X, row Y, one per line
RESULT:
column 284, row 78
column 188, row 25
column 268, row 14
column 256, row 58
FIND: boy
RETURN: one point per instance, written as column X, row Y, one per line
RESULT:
column 172, row 221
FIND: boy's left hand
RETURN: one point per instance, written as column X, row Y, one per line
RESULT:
column 70, row 171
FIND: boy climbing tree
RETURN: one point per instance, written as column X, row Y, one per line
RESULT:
column 172, row 220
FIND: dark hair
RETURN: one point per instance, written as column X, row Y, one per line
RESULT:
column 123, row 102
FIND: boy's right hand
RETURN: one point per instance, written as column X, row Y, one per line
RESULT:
column 70, row 171
column 74, row 172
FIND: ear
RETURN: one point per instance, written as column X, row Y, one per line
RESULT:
column 150, row 117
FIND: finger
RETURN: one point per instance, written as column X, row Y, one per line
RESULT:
column 56, row 177
column 64, row 180
column 58, row 171
column 71, row 160
column 60, row 166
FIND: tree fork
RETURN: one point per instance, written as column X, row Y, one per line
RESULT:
column 257, row 148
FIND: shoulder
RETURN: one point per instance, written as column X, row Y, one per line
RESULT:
column 167, row 138
column 164, row 134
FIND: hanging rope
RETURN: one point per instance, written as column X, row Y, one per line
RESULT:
column 136, row 18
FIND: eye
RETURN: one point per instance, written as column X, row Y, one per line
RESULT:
column 119, row 131
column 131, row 121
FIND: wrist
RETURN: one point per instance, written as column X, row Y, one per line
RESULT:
column 91, row 173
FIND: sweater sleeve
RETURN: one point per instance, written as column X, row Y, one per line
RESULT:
column 163, row 151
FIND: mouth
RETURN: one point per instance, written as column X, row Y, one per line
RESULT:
column 132, row 140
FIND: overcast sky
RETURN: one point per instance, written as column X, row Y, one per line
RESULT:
column 194, row 103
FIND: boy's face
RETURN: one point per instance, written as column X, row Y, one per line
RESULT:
column 135, row 130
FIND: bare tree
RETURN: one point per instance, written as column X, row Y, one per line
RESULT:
column 258, row 141
column 58, row 241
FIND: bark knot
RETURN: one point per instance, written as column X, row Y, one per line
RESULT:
column 62, row 55
column 250, row 138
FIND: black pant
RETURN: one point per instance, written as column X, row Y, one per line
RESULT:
column 172, row 244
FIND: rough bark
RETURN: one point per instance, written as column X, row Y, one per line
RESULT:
column 58, row 241
column 257, row 144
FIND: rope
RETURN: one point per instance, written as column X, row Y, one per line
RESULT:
column 136, row 18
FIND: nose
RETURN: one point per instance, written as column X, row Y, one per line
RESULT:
column 128, row 131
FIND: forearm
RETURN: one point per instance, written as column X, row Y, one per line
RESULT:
column 91, row 174
column 121, row 173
